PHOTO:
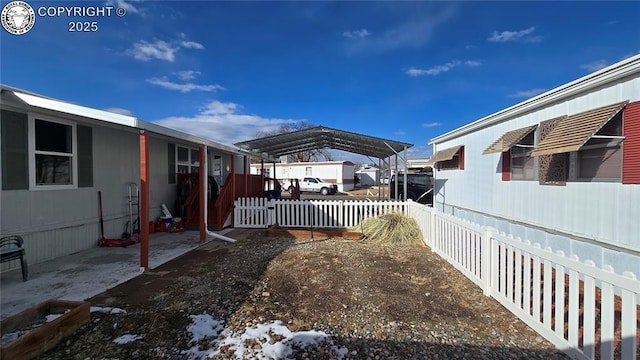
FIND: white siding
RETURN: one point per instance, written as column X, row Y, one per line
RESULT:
column 339, row 172
column 598, row 211
column 59, row 222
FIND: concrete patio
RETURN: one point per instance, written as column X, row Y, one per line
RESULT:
column 87, row 273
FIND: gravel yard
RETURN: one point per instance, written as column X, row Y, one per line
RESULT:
column 304, row 299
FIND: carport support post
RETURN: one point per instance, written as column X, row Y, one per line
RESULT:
column 233, row 186
column 244, row 171
column 144, row 200
column 203, row 193
column 405, row 174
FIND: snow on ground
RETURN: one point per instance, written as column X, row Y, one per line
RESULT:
column 127, row 338
column 107, row 310
column 262, row 341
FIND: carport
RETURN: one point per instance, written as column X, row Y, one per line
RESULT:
column 322, row 137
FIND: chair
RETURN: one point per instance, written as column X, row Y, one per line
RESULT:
column 12, row 248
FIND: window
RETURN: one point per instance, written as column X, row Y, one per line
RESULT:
column 600, row 158
column 53, row 150
column 592, row 144
column 307, row 171
column 449, row 159
column 456, row 162
column 522, row 164
column 188, row 160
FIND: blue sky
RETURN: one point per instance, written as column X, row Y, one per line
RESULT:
column 406, row 71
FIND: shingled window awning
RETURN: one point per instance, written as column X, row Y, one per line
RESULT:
column 508, row 140
column 444, row 155
column 574, row 131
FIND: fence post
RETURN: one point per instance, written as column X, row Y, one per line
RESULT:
column 486, row 257
column 432, row 230
column 270, row 208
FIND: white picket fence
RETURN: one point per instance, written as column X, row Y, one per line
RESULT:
column 262, row 213
column 586, row 311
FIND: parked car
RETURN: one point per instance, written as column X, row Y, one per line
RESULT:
column 419, row 187
column 313, row 184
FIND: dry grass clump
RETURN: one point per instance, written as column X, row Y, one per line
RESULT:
column 393, row 228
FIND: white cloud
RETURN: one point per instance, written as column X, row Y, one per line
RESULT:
column 595, row 66
column 527, row 93
column 356, row 34
column 436, row 70
column 431, row 124
column 120, row 111
column 161, row 50
column 187, row 74
column 130, row 8
column 400, row 133
column 522, row 35
column 224, row 123
column 185, row 87
column 413, row 33
column 191, row 45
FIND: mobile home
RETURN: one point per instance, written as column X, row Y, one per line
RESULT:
column 341, row 173
column 57, row 158
column 561, row 169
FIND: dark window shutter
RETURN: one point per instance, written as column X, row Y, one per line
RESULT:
column 15, row 153
column 506, row 165
column 461, row 159
column 171, row 167
column 631, row 144
column 85, row 156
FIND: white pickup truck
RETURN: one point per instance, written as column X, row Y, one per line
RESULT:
column 312, row 184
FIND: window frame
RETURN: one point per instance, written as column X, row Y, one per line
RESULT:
column 616, row 141
column 455, row 163
column 523, row 152
column 189, row 163
column 33, row 185
column 576, row 160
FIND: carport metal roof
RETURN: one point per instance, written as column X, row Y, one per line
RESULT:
column 321, row 137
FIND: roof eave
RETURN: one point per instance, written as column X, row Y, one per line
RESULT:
column 611, row 73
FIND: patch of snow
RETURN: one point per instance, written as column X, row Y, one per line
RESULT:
column 127, row 338
column 51, row 317
column 8, row 338
column 263, row 341
column 107, row 310
column 204, row 326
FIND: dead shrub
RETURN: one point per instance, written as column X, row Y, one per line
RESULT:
column 392, row 228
